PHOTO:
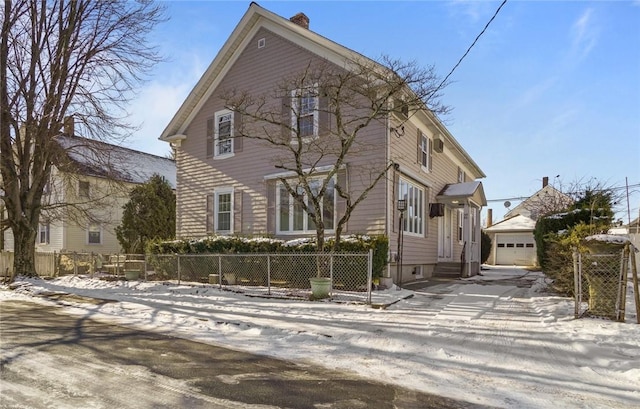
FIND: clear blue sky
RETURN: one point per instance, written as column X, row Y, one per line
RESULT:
column 551, row 88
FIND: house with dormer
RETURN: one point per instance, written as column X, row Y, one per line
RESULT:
column 230, row 182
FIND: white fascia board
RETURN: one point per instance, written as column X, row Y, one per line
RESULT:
column 290, row 173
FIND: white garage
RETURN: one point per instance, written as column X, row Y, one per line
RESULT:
column 515, row 249
column 512, row 242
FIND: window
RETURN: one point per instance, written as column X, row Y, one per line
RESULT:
column 223, row 133
column 223, row 215
column 425, row 150
column 474, row 227
column 304, row 115
column 83, row 189
column 94, row 234
column 44, row 233
column 460, row 224
column 291, row 216
column 415, row 199
column 461, row 175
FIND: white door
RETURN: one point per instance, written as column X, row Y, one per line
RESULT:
column 444, row 236
column 515, row 249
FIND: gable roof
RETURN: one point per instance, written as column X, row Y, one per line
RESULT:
column 100, row 159
column 517, row 223
column 254, row 19
column 539, row 196
column 451, row 193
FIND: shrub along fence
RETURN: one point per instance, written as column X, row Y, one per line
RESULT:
column 600, row 281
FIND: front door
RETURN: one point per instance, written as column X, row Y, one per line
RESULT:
column 444, row 236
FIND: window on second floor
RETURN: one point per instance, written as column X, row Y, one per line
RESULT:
column 220, row 134
column 304, row 112
column 425, row 151
column 461, row 175
column 291, row 217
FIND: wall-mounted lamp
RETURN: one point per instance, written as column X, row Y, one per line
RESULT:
column 402, row 205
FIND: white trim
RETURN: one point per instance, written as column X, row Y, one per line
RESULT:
column 216, row 202
column 305, row 219
column 216, row 134
column 419, row 214
column 89, row 231
column 290, row 174
column 418, row 178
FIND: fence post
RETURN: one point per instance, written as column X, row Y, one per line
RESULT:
column 220, row 271
column 178, row 256
column 269, row 274
column 75, row 263
column 576, row 283
column 369, row 275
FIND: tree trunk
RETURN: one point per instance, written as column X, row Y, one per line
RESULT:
column 24, row 253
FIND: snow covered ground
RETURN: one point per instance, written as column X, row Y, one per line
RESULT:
column 497, row 339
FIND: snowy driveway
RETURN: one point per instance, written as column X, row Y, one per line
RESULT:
column 491, row 340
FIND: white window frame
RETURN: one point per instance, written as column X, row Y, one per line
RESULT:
column 90, row 230
column 44, row 228
column 460, row 231
column 297, row 96
column 228, row 143
column 461, row 175
column 306, row 220
column 424, row 152
column 415, row 196
column 216, row 209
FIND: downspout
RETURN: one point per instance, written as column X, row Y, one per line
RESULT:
column 386, row 204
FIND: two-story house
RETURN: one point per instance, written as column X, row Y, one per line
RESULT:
column 228, row 183
column 84, row 198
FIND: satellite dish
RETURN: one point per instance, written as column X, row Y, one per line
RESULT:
column 507, row 204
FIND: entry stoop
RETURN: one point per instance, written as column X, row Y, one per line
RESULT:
column 448, row 270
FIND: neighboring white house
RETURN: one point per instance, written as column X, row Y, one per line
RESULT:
column 97, row 183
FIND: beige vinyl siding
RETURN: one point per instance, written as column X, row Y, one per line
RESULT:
column 258, row 71
column 444, row 170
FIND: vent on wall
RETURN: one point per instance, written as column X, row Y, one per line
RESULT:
column 261, row 43
column 438, row 145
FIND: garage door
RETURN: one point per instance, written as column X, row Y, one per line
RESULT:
column 515, row 249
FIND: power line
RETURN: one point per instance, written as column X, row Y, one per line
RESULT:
column 469, row 49
column 613, row 188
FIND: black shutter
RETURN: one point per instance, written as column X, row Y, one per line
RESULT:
column 271, row 206
column 210, row 136
column 237, row 132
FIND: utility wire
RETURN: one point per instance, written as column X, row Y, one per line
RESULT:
column 613, row 188
column 469, row 49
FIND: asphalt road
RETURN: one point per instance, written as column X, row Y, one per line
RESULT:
column 49, row 359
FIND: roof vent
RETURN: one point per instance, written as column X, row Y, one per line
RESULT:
column 300, row 19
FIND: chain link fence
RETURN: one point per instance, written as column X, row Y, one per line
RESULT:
column 282, row 274
column 601, row 284
column 276, row 275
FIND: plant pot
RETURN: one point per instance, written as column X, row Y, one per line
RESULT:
column 131, row 275
column 320, row 287
column 386, row 282
column 230, row 277
column 214, row 278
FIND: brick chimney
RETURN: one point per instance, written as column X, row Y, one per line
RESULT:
column 489, row 217
column 300, row 19
column 545, row 181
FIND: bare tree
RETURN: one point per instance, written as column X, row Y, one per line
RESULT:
column 60, row 58
column 347, row 101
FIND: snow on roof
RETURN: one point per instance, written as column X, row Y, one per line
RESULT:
column 101, row 159
column 514, row 223
column 460, row 189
